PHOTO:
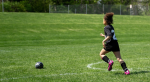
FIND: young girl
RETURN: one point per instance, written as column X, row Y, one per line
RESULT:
column 110, row 44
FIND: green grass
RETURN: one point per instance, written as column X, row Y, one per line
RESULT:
column 67, row 44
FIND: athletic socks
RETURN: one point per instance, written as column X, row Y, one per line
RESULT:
column 106, row 59
column 124, row 67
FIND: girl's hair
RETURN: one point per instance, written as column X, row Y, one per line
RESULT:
column 109, row 18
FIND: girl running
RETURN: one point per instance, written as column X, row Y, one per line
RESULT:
column 110, row 43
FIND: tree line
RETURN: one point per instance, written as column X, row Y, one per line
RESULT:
column 42, row 5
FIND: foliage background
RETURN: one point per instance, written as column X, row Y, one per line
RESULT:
column 43, row 5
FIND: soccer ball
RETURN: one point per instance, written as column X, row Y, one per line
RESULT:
column 39, row 65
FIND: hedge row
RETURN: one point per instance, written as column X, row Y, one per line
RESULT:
column 24, row 6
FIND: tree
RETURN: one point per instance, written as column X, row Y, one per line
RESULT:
column 145, row 6
column 71, row 2
column 111, row 2
column 15, row 0
column 86, row 1
column 37, row 5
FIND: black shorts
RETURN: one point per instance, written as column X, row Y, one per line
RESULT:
column 112, row 46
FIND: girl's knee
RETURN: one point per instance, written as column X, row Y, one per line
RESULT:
column 103, row 52
column 120, row 60
column 101, row 55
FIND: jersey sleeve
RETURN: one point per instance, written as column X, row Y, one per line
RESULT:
column 107, row 31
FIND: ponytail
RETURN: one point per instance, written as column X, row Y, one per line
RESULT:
column 109, row 18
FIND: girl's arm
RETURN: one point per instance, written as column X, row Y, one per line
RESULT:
column 107, row 38
column 102, row 35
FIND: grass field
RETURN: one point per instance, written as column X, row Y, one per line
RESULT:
column 69, row 46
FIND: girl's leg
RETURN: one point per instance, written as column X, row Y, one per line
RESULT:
column 123, row 64
column 103, row 52
column 103, row 56
column 106, row 59
column 118, row 56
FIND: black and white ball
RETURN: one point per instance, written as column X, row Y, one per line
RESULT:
column 39, row 65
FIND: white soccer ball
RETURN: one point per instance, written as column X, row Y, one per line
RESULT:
column 39, row 65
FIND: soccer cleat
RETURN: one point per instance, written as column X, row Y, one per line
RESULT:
column 127, row 72
column 110, row 65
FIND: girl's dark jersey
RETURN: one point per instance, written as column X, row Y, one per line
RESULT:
column 109, row 31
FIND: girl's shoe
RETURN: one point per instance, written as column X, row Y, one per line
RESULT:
column 110, row 65
column 127, row 72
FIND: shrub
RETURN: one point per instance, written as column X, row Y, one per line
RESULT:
column 27, row 6
column 14, row 7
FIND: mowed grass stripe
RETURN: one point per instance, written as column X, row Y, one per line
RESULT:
column 66, row 44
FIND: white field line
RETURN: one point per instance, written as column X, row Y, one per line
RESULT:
column 91, row 66
column 23, row 77
column 76, row 23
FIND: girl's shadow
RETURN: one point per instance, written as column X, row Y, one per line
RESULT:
column 136, row 72
column 139, row 72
